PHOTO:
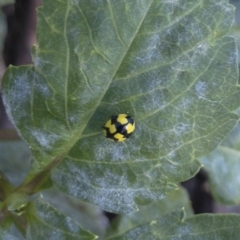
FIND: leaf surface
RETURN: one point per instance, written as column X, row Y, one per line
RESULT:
column 223, row 166
column 165, row 62
column 89, row 216
column 5, row 231
column 174, row 201
column 15, row 159
column 173, row 226
column 45, row 222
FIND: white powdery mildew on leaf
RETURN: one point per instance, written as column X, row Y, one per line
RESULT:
column 42, row 89
column 74, row 117
column 135, row 233
column 172, row 2
column 46, row 233
column 22, row 89
column 76, row 49
column 185, row 103
column 48, row 230
column 159, row 138
column 154, row 174
column 135, row 148
column 199, row 55
column 56, row 225
column 106, row 150
column 176, row 142
column 21, row 96
column 87, row 177
column 171, row 155
column 116, row 153
column 154, row 103
column 84, row 183
column 232, row 58
column 115, row 180
column 178, row 68
column 201, row 89
column 152, row 47
column 40, row 63
column 98, row 194
column 202, row 49
column 115, row 200
column 182, row 128
column 71, row 226
column 45, row 139
column 184, row 230
column 45, row 212
column 172, row 168
column 223, row 5
column 169, row 5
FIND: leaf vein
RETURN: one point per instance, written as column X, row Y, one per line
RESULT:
column 185, row 91
column 91, row 38
column 67, row 68
column 114, row 23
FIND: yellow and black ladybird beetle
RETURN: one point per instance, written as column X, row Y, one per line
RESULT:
column 119, row 127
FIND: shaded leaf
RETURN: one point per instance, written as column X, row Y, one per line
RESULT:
column 223, row 166
column 15, row 159
column 45, row 222
column 175, row 200
column 165, row 62
column 6, row 232
column 16, row 233
column 174, row 227
column 87, row 215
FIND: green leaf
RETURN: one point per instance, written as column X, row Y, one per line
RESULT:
column 15, row 160
column 6, row 231
column 175, row 200
column 87, row 215
column 16, row 203
column 45, row 222
column 173, row 226
column 165, row 62
column 223, row 166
